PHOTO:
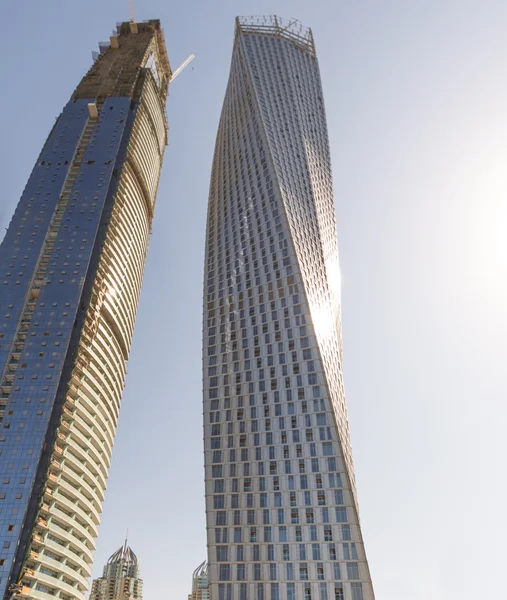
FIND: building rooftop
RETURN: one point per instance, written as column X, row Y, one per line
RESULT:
column 123, row 554
column 201, row 570
column 291, row 30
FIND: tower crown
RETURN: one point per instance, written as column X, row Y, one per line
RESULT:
column 125, row 554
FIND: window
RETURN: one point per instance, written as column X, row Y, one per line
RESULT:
column 353, row 551
column 216, row 471
column 267, row 534
column 271, row 552
column 222, row 553
column 341, row 514
column 291, row 591
column 338, row 496
column 218, row 501
column 224, row 573
column 346, row 551
column 315, row 551
column 224, row 591
column 256, row 553
column 338, row 593
column 352, row 570
column 275, row 594
column 357, row 591
column 285, row 552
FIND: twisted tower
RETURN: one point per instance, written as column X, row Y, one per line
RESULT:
column 282, row 516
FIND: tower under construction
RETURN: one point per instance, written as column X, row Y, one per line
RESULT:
column 71, row 268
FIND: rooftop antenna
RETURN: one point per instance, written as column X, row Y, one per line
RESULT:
column 132, row 16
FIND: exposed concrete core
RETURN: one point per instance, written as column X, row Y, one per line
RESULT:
column 116, row 71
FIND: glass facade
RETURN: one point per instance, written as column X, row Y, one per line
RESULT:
column 71, row 267
column 282, row 516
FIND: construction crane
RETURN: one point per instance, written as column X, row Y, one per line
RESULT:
column 181, row 67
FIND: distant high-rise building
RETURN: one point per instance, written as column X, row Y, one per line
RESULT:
column 120, row 578
column 71, row 267
column 282, row 514
column 200, row 583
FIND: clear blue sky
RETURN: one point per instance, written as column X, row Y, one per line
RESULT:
column 416, row 96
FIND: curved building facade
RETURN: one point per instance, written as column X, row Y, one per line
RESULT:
column 281, row 506
column 71, row 268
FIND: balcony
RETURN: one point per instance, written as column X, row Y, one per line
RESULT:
column 55, row 464
column 73, row 388
column 68, row 412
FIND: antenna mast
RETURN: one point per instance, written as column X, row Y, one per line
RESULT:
column 132, row 16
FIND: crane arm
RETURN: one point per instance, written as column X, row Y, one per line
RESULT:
column 182, row 66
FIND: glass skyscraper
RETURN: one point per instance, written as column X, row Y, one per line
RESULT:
column 71, row 267
column 282, row 516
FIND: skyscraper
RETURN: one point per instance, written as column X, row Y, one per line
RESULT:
column 120, row 578
column 200, row 583
column 282, row 516
column 71, row 267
